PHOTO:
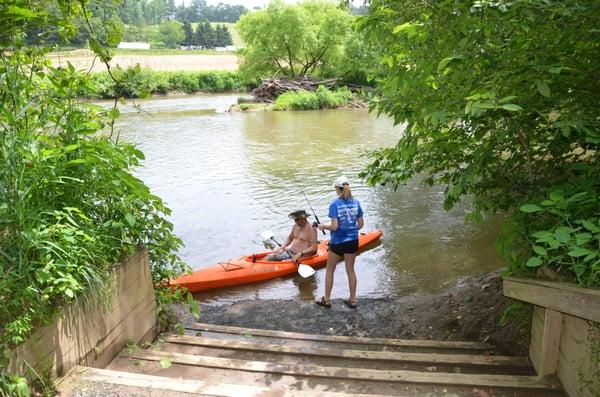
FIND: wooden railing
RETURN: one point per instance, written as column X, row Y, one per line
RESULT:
column 565, row 332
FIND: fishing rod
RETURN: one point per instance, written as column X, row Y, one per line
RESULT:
column 306, row 198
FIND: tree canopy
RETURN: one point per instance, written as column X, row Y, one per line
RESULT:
column 294, row 40
column 70, row 206
column 500, row 101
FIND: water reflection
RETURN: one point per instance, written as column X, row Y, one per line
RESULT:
column 228, row 177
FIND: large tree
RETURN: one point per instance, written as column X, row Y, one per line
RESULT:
column 500, row 101
column 171, row 33
column 293, row 40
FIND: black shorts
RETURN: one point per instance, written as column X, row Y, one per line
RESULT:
column 348, row 247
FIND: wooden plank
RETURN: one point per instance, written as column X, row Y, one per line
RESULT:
column 440, row 378
column 422, row 358
column 196, row 387
column 576, row 369
column 550, row 342
column 557, row 285
column 341, row 339
column 570, row 301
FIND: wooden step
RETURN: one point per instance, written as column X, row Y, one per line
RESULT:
column 195, row 387
column 400, row 376
column 461, row 360
column 477, row 346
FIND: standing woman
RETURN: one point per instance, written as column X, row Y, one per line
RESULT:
column 346, row 219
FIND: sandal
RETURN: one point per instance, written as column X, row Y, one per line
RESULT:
column 323, row 303
column 350, row 304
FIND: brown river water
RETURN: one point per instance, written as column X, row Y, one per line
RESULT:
column 226, row 177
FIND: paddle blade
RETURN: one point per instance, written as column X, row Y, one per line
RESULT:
column 267, row 236
column 305, row 271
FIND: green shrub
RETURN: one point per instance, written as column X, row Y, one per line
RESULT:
column 136, row 82
column 322, row 98
column 560, row 230
column 185, row 82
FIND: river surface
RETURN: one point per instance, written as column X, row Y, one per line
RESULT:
column 230, row 176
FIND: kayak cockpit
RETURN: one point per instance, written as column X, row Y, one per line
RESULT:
column 260, row 257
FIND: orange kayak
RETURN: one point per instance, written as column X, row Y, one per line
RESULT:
column 251, row 268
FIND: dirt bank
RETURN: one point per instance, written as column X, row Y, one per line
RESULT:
column 470, row 310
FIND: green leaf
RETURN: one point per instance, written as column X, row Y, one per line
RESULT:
column 507, row 98
column 530, row 208
column 69, row 293
column 130, row 218
column 408, row 28
column 539, row 250
column 556, row 196
column 590, row 226
column 565, row 229
column 590, row 256
column 578, row 252
column 77, row 161
column 543, row 88
column 511, row 107
column 22, row 12
column 165, row 362
column 446, row 61
column 534, row 261
column 583, row 238
column 562, row 234
column 542, row 234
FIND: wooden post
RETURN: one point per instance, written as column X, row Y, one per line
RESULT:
column 547, row 362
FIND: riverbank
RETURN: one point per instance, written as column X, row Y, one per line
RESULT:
column 470, row 310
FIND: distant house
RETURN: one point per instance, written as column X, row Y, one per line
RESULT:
column 133, row 45
column 231, row 48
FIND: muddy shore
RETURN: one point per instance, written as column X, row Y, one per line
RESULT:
column 470, row 310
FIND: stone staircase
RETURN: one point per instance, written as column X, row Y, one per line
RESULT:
column 215, row 360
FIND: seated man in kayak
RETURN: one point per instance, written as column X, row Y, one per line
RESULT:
column 301, row 242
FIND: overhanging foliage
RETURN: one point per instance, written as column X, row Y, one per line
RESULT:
column 501, row 100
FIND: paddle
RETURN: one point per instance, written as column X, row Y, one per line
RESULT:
column 303, row 270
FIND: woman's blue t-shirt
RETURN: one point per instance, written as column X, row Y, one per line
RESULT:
column 347, row 213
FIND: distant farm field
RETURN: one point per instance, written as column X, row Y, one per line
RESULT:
column 84, row 60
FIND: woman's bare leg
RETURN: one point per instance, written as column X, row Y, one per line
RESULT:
column 332, row 260
column 349, row 259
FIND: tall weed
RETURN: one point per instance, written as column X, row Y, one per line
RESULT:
column 322, row 98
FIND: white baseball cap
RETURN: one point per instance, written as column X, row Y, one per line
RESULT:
column 341, row 181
